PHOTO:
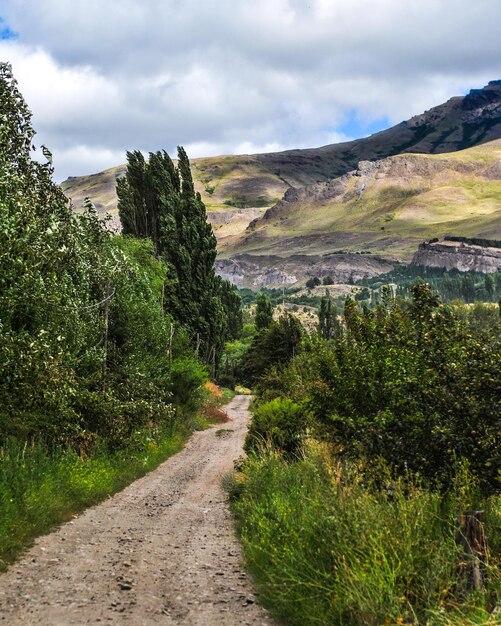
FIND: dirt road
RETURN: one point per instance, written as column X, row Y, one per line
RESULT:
column 163, row 551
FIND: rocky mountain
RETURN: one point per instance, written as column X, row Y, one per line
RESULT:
column 437, row 173
column 259, row 181
column 459, row 123
column 383, row 209
column 254, row 181
column 459, row 255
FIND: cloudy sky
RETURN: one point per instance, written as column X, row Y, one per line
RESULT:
column 237, row 76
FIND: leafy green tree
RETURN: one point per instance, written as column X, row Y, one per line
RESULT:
column 415, row 383
column 50, row 279
column 131, row 197
column 232, row 305
column 489, row 286
column 85, row 344
column 328, row 323
column 313, row 282
column 158, row 201
column 468, row 288
column 264, row 312
column 274, row 346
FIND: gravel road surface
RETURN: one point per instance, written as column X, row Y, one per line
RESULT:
column 162, row 551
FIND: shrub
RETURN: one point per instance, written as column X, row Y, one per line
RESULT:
column 410, row 382
column 187, row 376
column 280, row 424
column 313, row 282
column 275, row 345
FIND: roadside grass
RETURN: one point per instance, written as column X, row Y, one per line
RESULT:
column 40, row 488
column 212, row 412
column 329, row 545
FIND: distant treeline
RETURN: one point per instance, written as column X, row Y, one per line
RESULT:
column 450, row 285
column 474, row 241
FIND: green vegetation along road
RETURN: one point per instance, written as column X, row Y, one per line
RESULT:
column 162, row 551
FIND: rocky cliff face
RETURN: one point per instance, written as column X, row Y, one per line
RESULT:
column 255, row 271
column 460, row 256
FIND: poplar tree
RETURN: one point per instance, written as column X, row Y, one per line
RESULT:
column 158, row 200
column 264, row 312
column 328, row 324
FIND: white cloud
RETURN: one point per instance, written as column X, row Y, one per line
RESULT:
column 237, row 75
column 83, row 160
column 57, row 93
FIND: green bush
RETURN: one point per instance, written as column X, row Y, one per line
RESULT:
column 275, row 345
column 280, row 424
column 187, row 375
column 327, row 548
column 412, row 382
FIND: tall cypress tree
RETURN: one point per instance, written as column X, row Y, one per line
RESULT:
column 158, row 200
column 131, row 197
column 328, row 324
column 264, row 312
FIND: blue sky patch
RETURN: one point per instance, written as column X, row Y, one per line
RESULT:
column 357, row 128
column 5, row 31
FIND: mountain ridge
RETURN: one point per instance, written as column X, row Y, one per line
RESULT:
column 384, row 209
column 364, row 196
column 374, row 195
column 258, row 181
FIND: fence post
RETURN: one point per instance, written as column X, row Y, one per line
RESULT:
column 471, row 537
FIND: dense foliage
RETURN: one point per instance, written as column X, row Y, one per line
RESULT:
column 449, row 285
column 264, row 312
column 412, row 382
column 87, row 351
column 274, row 345
column 364, row 448
column 452, row 286
column 281, row 424
column 328, row 546
column 157, row 201
column 328, row 322
column 474, row 241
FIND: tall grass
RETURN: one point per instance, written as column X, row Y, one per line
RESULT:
column 40, row 488
column 329, row 547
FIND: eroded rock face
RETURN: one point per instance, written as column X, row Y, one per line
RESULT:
column 253, row 271
column 246, row 273
column 460, row 256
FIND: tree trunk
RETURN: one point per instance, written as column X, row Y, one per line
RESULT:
column 105, row 337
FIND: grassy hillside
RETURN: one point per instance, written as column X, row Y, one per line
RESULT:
column 100, row 188
column 220, row 180
column 239, row 187
column 387, row 207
